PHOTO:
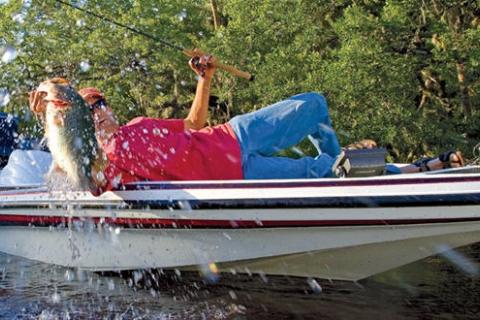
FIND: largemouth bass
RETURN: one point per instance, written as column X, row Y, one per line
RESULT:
column 70, row 133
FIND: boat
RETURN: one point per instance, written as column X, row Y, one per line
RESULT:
column 346, row 229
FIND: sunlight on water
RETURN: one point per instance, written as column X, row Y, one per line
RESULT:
column 32, row 290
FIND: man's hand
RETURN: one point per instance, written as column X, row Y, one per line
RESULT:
column 203, row 65
column 37, row 102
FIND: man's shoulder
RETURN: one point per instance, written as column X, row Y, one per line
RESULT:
column 138, row 120
column 146, row 122
column 151, row 120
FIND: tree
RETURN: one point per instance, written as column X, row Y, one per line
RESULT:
column 402, row 72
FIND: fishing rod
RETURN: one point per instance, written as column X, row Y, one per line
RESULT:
column 189, row 53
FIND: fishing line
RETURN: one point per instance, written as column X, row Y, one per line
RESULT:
column 134, row 30
column 189, row 53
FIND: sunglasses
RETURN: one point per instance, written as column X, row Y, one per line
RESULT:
column 100, row 104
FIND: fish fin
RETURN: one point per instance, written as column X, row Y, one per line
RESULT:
column 59, row 120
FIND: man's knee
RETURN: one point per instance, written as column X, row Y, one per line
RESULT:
column 316, row 101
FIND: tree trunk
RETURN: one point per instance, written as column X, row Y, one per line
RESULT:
column 464, row 98
column 216, row 18
column 176, row 91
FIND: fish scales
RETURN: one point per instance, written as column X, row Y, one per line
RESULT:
column 70, row 134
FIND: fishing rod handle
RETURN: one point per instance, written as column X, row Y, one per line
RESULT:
column 234, row 71
column 219, row 65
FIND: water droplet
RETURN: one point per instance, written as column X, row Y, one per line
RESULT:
column 69, row 276
column 116, row 181
column 182, row 15
column 78, row 143
column 9, row 53
column 100, row 176
column 263, row 276
column 153, row 293
column 213, row 267
column 172, row 150
column 19, row 18
column 9, row 118
column 81, row 23
column 137, row 276
column 314, row 285
column 125, row 145
column 227, row 236
column 56, row 298
column 298, row 151
column 183, row 83
column 84, row 66
column 111, row 285
column 210, row 272
column 4, row 97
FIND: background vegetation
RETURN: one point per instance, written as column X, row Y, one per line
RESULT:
column 405, row 73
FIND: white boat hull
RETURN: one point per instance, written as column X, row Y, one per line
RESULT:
column 190, row 228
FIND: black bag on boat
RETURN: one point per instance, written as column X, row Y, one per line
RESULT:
column 360, row 163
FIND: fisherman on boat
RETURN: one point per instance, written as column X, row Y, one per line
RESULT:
column 243, row 148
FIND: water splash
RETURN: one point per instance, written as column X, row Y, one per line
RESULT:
column 314, row 285
column 461, row 261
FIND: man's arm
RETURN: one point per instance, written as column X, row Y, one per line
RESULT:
column 197, row 117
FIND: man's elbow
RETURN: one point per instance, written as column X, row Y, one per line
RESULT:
column 194, row 125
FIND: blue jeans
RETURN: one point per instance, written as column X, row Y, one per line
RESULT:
column 282, row 125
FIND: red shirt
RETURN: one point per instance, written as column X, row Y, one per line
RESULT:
column 157, row 149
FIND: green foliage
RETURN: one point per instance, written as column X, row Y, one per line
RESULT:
column 405, row 73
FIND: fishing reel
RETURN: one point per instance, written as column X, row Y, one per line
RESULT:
column 199, row 65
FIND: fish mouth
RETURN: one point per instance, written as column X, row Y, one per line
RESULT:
column 59, row 104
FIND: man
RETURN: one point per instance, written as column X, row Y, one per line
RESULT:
column 8, row 134
column 243, row 148
column 156, row 149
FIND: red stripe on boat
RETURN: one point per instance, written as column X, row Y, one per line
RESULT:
column 142, row 223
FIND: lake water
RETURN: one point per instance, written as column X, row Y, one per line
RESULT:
column 439, row 287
